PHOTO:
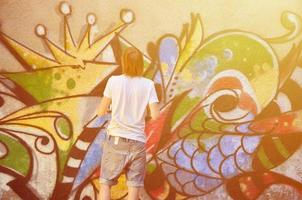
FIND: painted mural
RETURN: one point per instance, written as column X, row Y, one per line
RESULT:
column 230, row 125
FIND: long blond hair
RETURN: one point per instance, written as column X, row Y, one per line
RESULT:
column 132, row 62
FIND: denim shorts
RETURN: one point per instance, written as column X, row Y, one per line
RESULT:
column 124, row 155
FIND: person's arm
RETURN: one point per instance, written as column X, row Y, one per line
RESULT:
column 106, row 100
column 154, row 110
column 104, row 105
column 153, row 103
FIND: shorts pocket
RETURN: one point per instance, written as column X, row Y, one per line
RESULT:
column 112, row 162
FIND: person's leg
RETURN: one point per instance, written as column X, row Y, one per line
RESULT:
column 112, row 164
column 133, row 192
column 105, row 192
column 136, row 170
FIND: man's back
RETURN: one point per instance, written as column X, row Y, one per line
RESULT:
column 130, row 97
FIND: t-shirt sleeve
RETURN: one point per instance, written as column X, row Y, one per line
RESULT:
column 108, row 91
column 153, row 96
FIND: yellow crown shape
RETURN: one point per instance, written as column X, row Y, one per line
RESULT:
column 72, row 54
column 74, row 69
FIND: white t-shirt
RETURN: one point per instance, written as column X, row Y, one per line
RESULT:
column 130, row 97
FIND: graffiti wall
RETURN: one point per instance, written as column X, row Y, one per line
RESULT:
column 228, row 73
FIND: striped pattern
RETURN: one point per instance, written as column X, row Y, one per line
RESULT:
column 82, row 145
column 76, row 155
column 275, row 150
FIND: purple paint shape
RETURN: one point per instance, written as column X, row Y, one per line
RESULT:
column 192, row 190
column 91, row 161
column 200, row 164
column 229, row 168
column 172, row 180
column 184, row 176
column 174, row 148
column 229, row 144
column 244, row 160
column 183, row 161
column 190, row 146
column 207, row 184
column 215, row 158
column 250, row 143
column 168, row 53
column 164, row 157
column 168, row 169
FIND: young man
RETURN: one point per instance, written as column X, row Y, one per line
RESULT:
column 124, row 148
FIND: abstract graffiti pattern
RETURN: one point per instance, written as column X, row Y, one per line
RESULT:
column 230, row 114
